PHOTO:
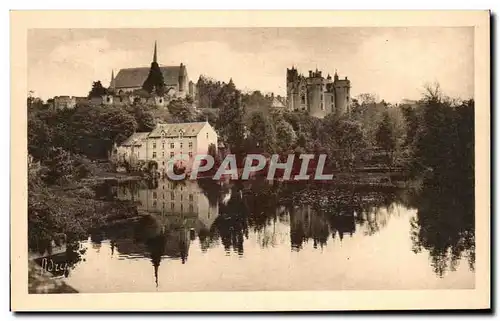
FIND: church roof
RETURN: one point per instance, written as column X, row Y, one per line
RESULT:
column 173, row 130
column 135, row 77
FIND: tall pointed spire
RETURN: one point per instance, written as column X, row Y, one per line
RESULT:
column 112, row 82
column 155, row 55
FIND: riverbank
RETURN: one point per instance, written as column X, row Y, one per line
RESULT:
column 43, row 282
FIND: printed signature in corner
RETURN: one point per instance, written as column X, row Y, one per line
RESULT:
column 49, row 265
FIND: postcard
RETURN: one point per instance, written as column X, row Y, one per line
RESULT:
column 250, row 161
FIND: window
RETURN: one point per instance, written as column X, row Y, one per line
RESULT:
column 332, row 98
column 303, row 98
column 182, row 208
column 191, row 197
column 207, row 135
column 180, row 145
column 181, row 197
column 191, row 208
column 190, row 155
column 172, row 196
column 163, row 155
column 163, row 145
column 155, row 195
column 171, row 145
column 172, row 206
column 171, row 154
column 190, row 144
column 322, row 106
column 163, row 163
column 154, row 204
column 137, row 154
column 154, row 154
column 321, row 97
column 154, row 145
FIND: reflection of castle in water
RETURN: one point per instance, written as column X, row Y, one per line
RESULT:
column 178, row 213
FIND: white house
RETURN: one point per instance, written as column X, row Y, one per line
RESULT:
column 167, row 140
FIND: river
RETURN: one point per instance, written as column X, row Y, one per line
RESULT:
column 257, row 236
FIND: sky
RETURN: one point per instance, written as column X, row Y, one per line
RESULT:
column 393, row 63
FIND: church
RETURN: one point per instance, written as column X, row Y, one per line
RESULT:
column 176, row 79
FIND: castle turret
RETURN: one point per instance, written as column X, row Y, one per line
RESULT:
column 182, row 78
column 342, row 91
column 315, row 93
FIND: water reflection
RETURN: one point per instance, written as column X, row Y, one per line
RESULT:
column 445, row 224
column 177, row 218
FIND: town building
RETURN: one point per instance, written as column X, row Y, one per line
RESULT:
column 63, row 102
column 317, row 95
column 176, row 79
column 165, row 141
column 277, row 104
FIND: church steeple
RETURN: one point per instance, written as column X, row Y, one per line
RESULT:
column 155, row 55
column 112, row 82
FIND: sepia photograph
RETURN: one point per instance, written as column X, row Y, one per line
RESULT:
column 254, row 159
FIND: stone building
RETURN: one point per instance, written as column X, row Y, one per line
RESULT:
column 63, row 102
column 316, row 94
column 166, row 141
column 175, row 78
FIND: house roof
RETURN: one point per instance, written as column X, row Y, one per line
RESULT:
column 173, row 130
column 276, row 103
column 135, row 139
column 135, row 77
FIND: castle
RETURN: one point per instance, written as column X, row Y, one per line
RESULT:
column 317, row 95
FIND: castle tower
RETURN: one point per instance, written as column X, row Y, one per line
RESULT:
column 342, row 91
column 315, row 89
column 296, row 90
column 182, row 78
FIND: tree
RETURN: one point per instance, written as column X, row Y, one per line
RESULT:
column 94, row 130
column 209, row 115
column 386, row 138
column 343, row 140
column 39, row 136
column 144, row 118
column 262, row 135
column 97, row 90
column 59, row 164
column 154, row 82
column 181, row 111
column 285, row 135
column 231, row 122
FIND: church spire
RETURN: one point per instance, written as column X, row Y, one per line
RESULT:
column 112, row 82
column 154, row 55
